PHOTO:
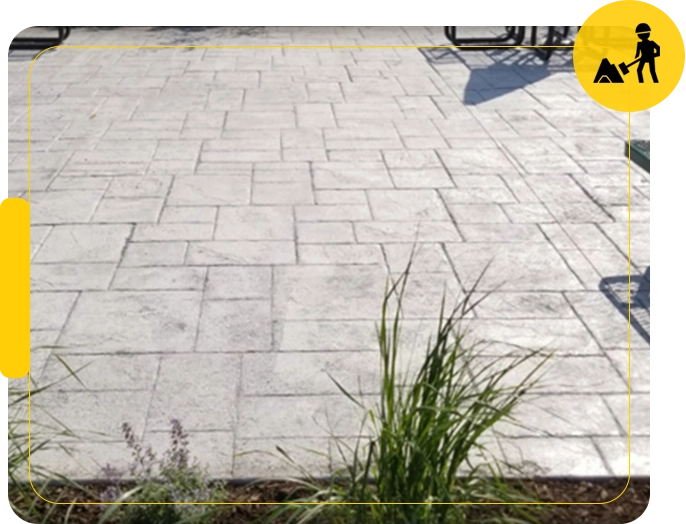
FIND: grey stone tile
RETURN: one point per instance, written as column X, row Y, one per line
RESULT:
column 350, row 175
column 640, row 412
column 97, row 416
column 421, row 178
column 578, row 212
column 50, row 310
column 476, row 162
column 608, row 325
column 478, row 195
column 245, row 140
column 140, row 254
column 512, row 267
column 617, row 453
column 531, row 213
column 261, row 454
column 241, row 253
column 63, row 207
column 71, row 277
column 201, row 190
column 519, row 233
column 255, row 223
column 325, row 233
column 406, row 205
column 581, row 267
column 426, row 258
column 332, row 213
column 555, row 457
column 562, row 416
column 73, row 183
column 588, row 237
column 84, row 243
column 566, row 374
column 171, row 167
column 593, row 148
column 123, row 210
column 558, row 237
column 259, row 120
column 557, row 188
column 139, row 187
column 235, row 326
column 541, row 156
column 298, row 416
column 171, row 232
column 425, row 292
column 286, row 193
column 328, row 292
column 640, row 367
column 37, row 235
column 425, row 143
column 326, row 335
column 640, row 240
column 339, row 254
column 566, row 336
column 310, row 373
column 238, row 282
column 103, row 373
column 401, row 159
column 281, row 172
column 188, row 215
column 352, row 155
column 224, row 169
column 241, row 156
column 124, row 321
column 84, row 460
column 302, row 138
column 477, row 213
column 523, row 305
column 42, row 345
column 340, row 196
column 210, row 385
column 411, row 231
column 159, row 278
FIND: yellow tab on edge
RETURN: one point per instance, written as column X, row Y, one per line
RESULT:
column 15, row 287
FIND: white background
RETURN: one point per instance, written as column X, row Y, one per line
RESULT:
column 667, row 142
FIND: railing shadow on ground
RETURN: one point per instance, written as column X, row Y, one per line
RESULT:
column 617, row 290
column 498, row 72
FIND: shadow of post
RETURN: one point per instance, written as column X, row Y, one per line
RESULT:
column 617, row 290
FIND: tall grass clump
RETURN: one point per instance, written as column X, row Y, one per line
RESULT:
column 27, row 439
column 424, row 446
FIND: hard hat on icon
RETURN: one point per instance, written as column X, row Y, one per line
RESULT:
column 642, row 28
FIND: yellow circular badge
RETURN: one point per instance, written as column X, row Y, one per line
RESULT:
column 629, row 56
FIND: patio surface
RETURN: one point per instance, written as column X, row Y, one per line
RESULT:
column 212, row 230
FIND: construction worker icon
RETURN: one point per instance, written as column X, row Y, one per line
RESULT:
column 617, row 60
column 646, row 52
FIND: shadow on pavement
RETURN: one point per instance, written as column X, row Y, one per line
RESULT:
column 495, row 73
column 617, row 290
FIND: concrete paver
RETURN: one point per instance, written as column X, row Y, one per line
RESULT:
column 212, row 231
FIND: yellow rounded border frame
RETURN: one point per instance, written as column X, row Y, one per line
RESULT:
column 7, row 302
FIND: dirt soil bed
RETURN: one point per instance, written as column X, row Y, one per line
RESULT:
column 626, row 508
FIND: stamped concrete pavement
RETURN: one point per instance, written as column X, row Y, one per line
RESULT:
column 212, row 230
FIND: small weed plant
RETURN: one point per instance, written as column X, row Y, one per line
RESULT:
column 162, row 489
